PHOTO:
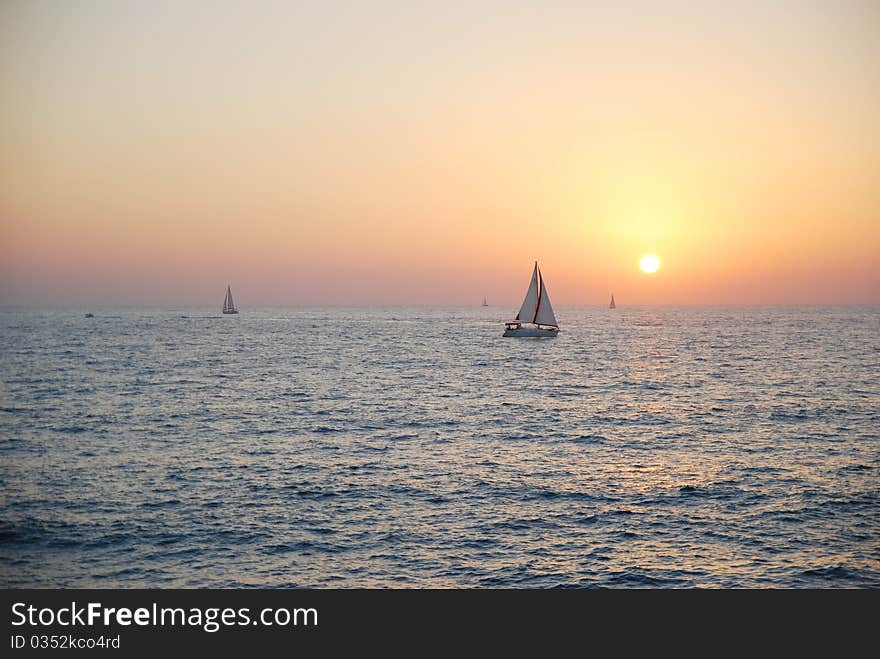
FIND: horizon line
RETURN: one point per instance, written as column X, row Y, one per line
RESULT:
column 346, row 305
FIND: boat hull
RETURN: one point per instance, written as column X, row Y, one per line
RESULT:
column 532, row 332
column 229, row 312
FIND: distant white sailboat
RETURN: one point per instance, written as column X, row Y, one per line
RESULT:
column 535, row 317
column 612, row 305
column 228, row 304
column 485, row 304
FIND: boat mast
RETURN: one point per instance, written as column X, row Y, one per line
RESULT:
column 540, row 290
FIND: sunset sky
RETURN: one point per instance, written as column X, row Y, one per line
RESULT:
column 429, row 153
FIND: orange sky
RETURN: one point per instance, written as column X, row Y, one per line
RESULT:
column 382, row 153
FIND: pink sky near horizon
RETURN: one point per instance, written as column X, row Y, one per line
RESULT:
column 385, row 153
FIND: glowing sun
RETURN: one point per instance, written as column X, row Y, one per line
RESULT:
column 649, row 263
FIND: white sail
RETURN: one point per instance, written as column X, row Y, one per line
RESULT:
column 544, row 313
column 535, row 318
column 530, row 304
column 228, row 304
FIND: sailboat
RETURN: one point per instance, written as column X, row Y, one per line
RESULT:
column 485, row 304
column 612, row 305
column 535, row 317
column 228, row 304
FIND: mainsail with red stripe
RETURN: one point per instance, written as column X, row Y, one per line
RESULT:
column 544, row 313
column 536, row 307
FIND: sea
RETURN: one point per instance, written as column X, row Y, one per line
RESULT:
column 393, row 447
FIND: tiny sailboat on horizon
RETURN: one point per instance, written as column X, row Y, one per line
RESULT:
column 612, row 305
column 535, row 317
column 228, row 304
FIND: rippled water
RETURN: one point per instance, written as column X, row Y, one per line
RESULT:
column 415, row 447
